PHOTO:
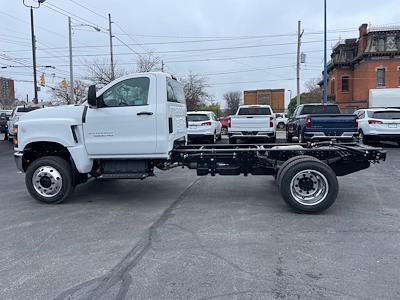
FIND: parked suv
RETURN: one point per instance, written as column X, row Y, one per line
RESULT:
column 281, row 120
column 203, row 125
column 379, row 124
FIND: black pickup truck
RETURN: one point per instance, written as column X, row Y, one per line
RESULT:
column 318, row 122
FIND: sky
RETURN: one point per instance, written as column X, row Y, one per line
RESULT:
column 235, row 45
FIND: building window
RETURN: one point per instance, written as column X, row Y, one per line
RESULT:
column 345, row 84
column 380, row 77
column 333, row 87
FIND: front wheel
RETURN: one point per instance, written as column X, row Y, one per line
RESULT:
column 308, row 185
column 49, row 179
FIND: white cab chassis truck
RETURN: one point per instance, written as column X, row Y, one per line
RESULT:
column 138, row 123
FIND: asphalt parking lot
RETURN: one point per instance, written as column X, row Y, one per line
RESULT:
column 179, row 236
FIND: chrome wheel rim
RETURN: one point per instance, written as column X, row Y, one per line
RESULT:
column 47, row 181
column 309, row 187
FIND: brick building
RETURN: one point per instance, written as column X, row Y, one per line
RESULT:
column 273, row 97
column 7, row 91
column 371, row 61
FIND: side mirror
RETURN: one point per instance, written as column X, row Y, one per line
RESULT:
column 92, row 99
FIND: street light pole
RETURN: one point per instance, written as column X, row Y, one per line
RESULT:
column 325, row 59
column 71, row 71
column 111, row 47
column 35, row 88
column 35, row 97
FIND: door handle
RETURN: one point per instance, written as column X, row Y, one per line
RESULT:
column 143, row 113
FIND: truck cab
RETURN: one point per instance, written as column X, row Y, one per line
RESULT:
column 124, row 130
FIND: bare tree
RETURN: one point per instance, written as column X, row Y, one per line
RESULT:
column 7, row 103
column 195, row 88
column 314, row 91
column 233, row 100
column 60, row 94
column 99, row 72
column 148, row 62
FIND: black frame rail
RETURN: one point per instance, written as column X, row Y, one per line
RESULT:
column 266, row 159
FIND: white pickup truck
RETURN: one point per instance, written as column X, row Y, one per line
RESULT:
column 253, row 122
column 124, row 130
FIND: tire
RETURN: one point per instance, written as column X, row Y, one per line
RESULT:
column 224, row 131
column 362, row 137
column 288, row 162
column 301, row 137
column 219, row 137
column 47, row 170
column 213, row 138
column 281, row 125
column 308, row 185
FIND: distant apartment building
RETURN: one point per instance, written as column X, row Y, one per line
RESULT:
column 371, row 61
column 7, row 90
column 273, row 97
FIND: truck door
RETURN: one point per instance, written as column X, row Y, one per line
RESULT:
column 125, row 124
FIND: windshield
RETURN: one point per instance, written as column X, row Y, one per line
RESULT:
column 320, row 110
column 254, row 111
column 386, row 115
column 197, row 117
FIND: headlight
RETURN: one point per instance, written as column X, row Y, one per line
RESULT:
column 15, row 137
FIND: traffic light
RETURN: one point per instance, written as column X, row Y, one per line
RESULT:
column 42, row 80
column 64, row 83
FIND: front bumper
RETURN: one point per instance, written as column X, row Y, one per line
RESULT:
column 18, row 160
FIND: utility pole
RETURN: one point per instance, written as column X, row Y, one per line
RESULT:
column 111, row 47
column 162, row 66
column 325, row 59
column 71, row 71
column 35, row 98
column 299, row 35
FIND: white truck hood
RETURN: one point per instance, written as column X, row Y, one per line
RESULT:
column 71, row 114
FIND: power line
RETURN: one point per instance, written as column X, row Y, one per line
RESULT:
column 85, row 7
column 72, row 15
column 189, row 50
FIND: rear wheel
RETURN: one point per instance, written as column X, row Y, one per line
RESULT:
column 224, row 131
column 49, row 179
column 301, row 137
column 281, row 125
column 308, row 185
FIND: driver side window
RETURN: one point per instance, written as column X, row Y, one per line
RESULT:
column 130, row 92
